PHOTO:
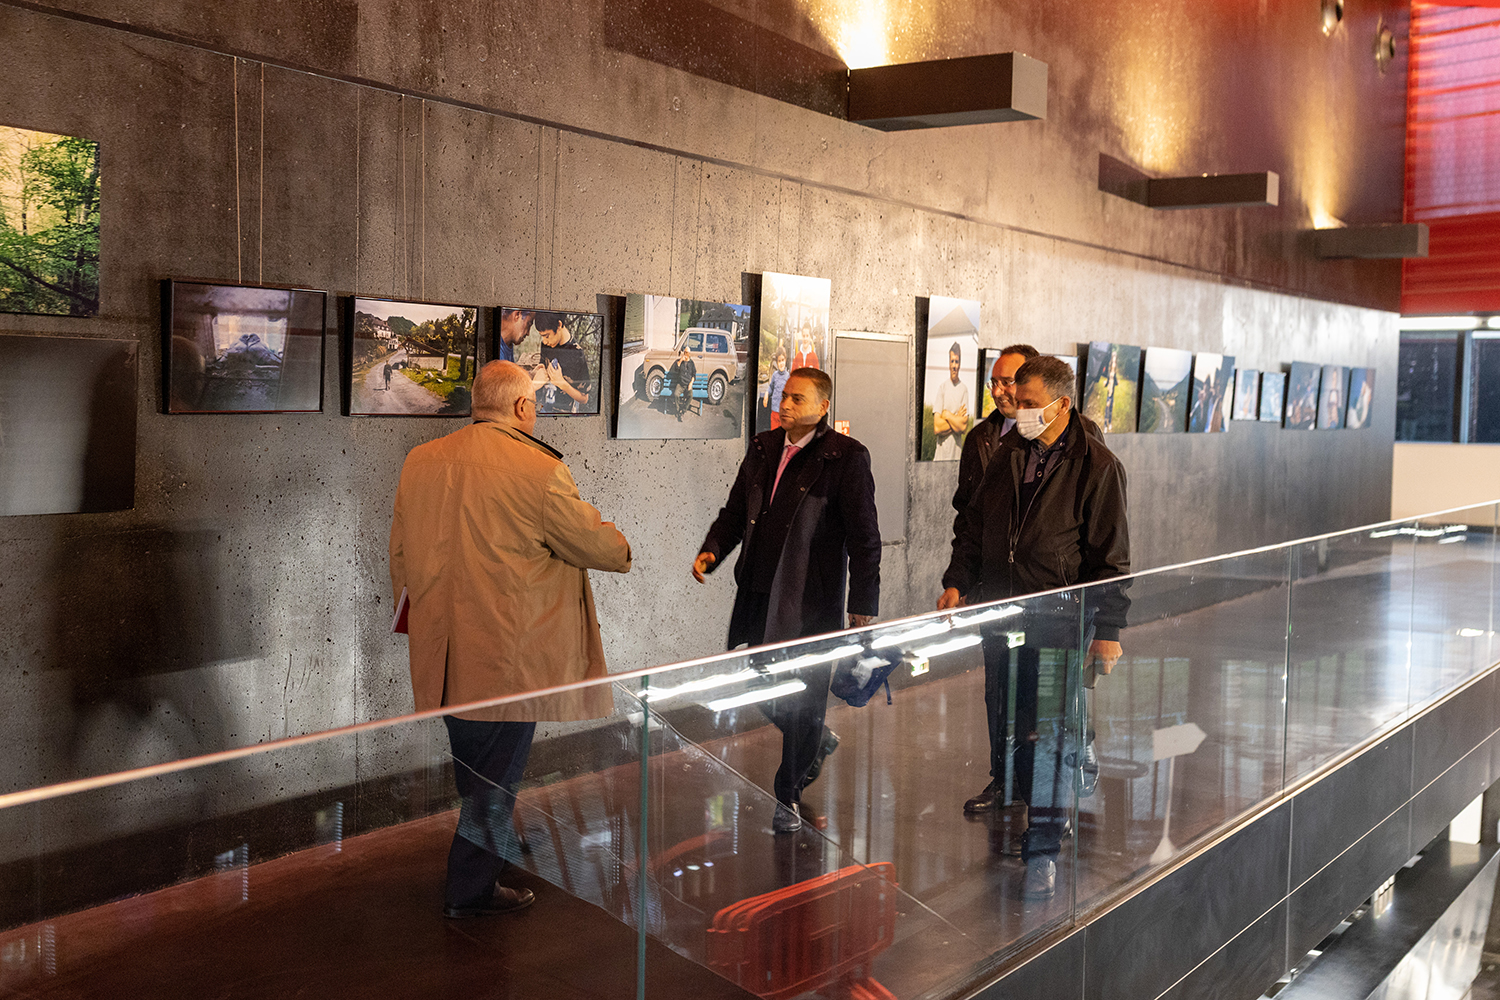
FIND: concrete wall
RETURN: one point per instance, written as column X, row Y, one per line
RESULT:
column 516, row 153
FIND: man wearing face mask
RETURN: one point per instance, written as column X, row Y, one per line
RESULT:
column 982, row 441
column 1049, row 513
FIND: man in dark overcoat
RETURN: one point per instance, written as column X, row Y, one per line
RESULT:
column 802, row 510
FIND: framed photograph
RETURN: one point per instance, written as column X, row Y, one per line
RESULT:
column 1361, row 396
column 1272, row 396
column 794, row 333
column 67, row 425
column 987, row 358
column 49, row 223
column 1332, row 397
column 1111, row 386
column 1246, row 393
column 1302, row 396
column 683, row 369
column 562, row 351
column 242, row 348
column 1213, row 378
column 1166, row 385
column 950, row 368
column 410, row 359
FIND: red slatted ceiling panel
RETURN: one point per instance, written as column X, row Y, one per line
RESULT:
column 1453, row 158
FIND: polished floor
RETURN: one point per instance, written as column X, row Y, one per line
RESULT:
column 1376, row 627
column 352, row 921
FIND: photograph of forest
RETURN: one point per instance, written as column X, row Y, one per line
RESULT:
column 49, row 223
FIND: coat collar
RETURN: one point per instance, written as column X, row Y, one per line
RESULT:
column 523, row 437
column 771, row 442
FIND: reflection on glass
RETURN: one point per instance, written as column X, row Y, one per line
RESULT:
column 1189, row 724
column 654, row 830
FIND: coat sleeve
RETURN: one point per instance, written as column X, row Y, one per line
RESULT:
column 969, row 473
column 397, row 552
column 965, row 565
column 1106, row 552
column 574, row 530
column 728, row 528
column 861, row 533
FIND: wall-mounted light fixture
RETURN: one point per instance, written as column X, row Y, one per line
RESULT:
column 942, row 93
column 1204, row 191
column 1372, row 242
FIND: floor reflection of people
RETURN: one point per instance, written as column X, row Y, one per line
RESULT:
column 1049, row 513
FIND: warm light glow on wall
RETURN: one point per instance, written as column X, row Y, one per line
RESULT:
column 868, row 33
column 860, row 29
column 1322, row 220
column 1153, row 111
column 1316, row 169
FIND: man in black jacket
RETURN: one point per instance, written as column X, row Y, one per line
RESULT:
column 803, row 511
column 1049, row 513
column 985, row 437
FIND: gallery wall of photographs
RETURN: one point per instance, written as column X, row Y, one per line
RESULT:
column 1165, row 391
column 259, row 349
column 687, row 369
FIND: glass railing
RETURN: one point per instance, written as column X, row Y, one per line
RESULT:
column 650, row 837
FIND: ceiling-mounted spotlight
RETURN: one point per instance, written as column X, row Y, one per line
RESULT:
column 1005, row 87
column 1333, row 13
column 1385, row 47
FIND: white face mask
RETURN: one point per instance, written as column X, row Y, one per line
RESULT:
column 1032, row 424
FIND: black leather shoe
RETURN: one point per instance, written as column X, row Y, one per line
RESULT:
column 984, row 801
column 826, row 746
column 786, row 819
column 503, row 901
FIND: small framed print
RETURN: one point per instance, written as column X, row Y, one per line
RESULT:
column 242, row 348
column 410, row 359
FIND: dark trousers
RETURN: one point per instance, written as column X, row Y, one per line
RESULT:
column 997, row 659
column 799, row 716
column 1050, row 733
column 488, row 761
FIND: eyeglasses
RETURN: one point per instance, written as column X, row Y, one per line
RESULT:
column 1007, row 382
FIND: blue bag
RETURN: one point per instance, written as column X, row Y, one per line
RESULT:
column 856, row 682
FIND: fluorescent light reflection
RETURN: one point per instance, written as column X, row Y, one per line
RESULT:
column 951, row 645
column 752, row 697
column 813, row 659
column 745, row 676
column 701, row 684
column 911, row 635
column 988, row 615
column 1451, row 529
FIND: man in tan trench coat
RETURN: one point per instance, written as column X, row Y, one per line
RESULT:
column 491, row 544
